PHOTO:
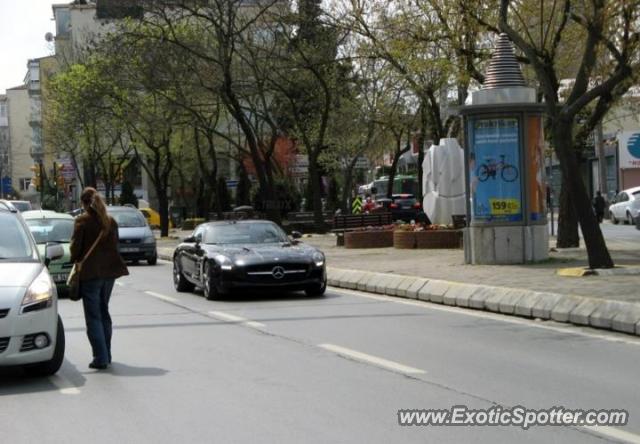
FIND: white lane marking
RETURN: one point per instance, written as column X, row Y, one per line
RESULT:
column 64, row 386
column 227, row 316
column 569, row 329
column 380, row 362
column 239, row 319
column 615, row 433
column 161, row 296
column 255, row 324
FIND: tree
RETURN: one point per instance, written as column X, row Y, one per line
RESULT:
column 127, row 196
column 608, row 46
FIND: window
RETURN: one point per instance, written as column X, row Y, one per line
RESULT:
column 3, row 110
column 24, row 183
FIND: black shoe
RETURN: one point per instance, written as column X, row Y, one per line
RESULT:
column 97, row 366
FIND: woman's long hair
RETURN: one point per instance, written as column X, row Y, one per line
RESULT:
column 92, row 200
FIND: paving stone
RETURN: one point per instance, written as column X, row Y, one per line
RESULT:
column 607, row 313
column 404, row 286
column 333, row 276
column 561, row 311
column 508, row 303
column 344, row 277
column 542, row 308
column 524, row 306
column 581, row 313
column 412, row 292
column 434, row 291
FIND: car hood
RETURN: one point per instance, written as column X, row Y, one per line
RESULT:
column 252, row 254
column 18, row 274
column 134, row 232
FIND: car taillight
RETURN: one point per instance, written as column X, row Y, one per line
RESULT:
column 417, row 205
column 393, row 205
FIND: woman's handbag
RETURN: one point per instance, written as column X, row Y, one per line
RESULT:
column 73, row 281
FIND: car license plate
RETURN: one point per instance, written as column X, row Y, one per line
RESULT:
column 60, row 277
column 129, row 250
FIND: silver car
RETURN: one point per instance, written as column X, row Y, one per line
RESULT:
column 31, row 331
column 136, row 241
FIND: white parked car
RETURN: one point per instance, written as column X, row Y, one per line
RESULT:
column 626, row 206
column 31, row 331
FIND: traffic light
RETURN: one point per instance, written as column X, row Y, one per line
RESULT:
column 36, row 178
column 59, row 177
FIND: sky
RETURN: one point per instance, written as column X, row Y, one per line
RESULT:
column 23, row 24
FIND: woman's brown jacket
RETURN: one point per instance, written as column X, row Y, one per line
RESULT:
column 105, row 261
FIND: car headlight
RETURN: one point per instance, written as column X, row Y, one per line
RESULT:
column 225, row 263
column 318, row 259
column 40, row 292
column 149, row 240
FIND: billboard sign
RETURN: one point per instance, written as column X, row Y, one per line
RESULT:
column 629, row 149
column 494, row 169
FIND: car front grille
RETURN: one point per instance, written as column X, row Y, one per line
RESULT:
column 286, row 272
column 4, row 343
column 67, row 266
column 130, row 241
column 28, row 343
column 4, row 312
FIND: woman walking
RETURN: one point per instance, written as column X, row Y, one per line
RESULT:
column 95, row 245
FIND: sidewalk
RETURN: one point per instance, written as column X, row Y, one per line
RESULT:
column 440, row 276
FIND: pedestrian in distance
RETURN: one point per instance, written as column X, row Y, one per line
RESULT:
column 95, row 244
column 369, row 205
column 598, row 206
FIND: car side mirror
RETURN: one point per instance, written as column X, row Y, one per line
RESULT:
column 296, row 235
column 190, row 240
column 52, row 252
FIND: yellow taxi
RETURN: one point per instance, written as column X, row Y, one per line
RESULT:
column 153, row 217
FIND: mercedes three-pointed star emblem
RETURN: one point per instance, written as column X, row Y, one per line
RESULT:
column 278, row 272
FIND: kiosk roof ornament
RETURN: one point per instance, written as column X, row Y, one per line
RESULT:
column 504, row 70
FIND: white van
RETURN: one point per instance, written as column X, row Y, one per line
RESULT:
column 31, row 331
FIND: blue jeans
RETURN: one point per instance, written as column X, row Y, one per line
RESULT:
column 95, row 300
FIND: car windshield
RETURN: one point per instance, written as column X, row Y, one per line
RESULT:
column 129, row 219
column 256, row 233
column 51, row 230
column 14, row 241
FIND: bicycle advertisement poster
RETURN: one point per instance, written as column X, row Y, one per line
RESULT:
column 494, row 166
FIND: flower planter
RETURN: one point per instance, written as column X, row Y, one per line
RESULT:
column 439, row 239
column 404, row 239
column 368, row 239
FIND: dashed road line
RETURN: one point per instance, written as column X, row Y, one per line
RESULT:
column 615, row 433
column 162, row 296
column 238, row 319
column 379, row 362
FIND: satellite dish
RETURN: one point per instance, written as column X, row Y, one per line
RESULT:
column 48, row 37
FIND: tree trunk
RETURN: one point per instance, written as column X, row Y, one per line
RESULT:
column 163, row 201
column 315, row 182
column 597, row 251
column 568, row 236
column 348, row 184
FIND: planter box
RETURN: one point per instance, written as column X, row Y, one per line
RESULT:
column 439, row 239
column 368, row 239
column 404, row 239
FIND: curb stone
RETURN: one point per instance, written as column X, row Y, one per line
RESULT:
column 614, row 315
column 581, row 313
column 562, row 310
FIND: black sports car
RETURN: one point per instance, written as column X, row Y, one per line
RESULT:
column 221, row 257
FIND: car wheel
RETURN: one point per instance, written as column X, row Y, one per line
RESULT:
column 48, row 368
column 153, row 260
column 180, row 282
column 614, row 220
column 317, row 290
column 629, row 220
column 208, row 285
